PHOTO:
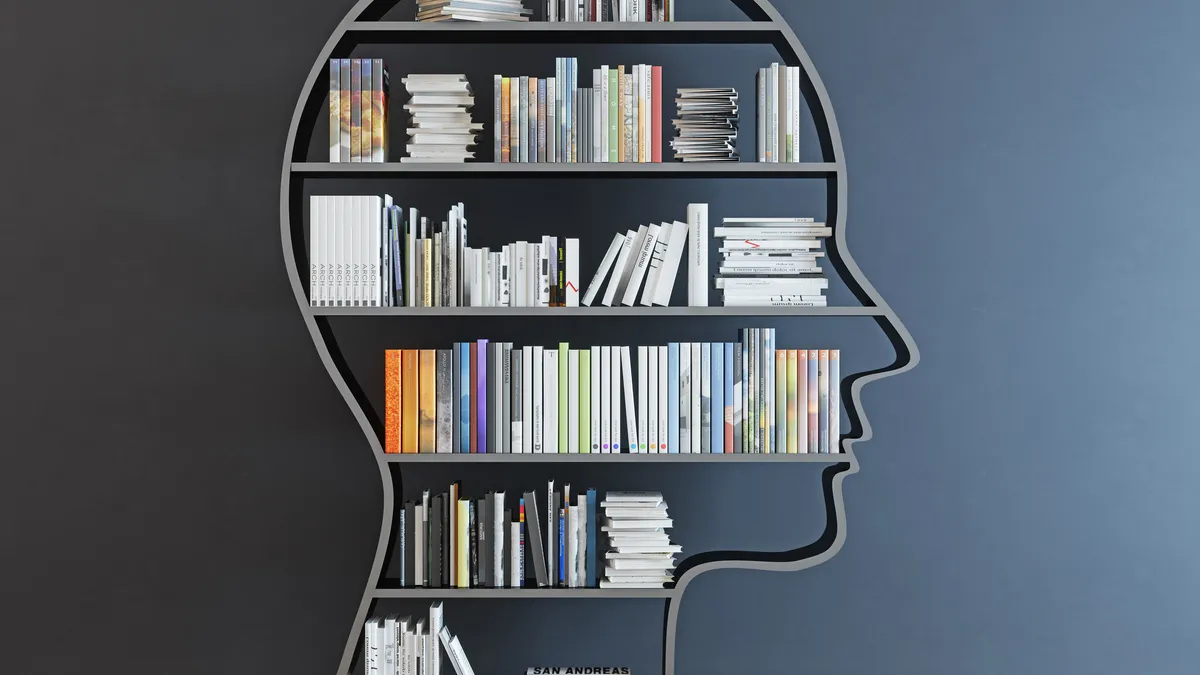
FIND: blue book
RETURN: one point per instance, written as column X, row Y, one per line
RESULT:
column 592, row 553
column 727, row 396
column 464, row 397
column 562, row 546
column 703, row 379
column 481, row 404
column 717, row 398
column 673, row 397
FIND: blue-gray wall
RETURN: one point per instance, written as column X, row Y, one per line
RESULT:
column 183, row 491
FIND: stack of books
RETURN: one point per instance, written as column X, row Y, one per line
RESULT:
column 682, row 397
column 452, row 541
column 395, row 645
column 545, row 120
column 647, row 260
column 358, row 110
column 707, row 125
column 442, row 130
column 471, row 10
column 778, row 123
column 610, row 10
column 640, row 553
column 772, row 262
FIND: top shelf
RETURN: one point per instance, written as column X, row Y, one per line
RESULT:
column 672, row 32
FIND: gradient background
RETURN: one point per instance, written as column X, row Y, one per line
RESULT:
column 184, row 492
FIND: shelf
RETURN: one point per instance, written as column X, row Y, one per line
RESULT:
column 594, row 170
column 603, row 458
column 679, row 32
column 576, row 312
column 518, row 593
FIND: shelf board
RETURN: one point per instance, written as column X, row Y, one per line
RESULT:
column 602, row 458
column 518, row 593
column 679, row 32
column 577, row 312
column 619, row 170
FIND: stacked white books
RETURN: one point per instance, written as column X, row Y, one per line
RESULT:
column 395, row 645
column 640, row 553
column 706, row 125
column 645, row 261
column 772, row 262
column 471, row 10
column 441, row 130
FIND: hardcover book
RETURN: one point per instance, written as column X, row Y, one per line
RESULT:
column 445, row 399
column 355, row 110
column 410, row 373
column 428, row 401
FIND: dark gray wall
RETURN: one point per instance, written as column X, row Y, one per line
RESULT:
column 183, row 491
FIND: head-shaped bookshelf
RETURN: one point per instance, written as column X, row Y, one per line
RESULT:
column 368, row 23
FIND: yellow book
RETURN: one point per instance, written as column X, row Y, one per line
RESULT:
column 505, row 120
column 428, row 412
column 408, row 400
column 464, row 572
column 792, row 437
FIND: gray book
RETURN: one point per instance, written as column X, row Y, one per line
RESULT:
column 516, row 396
column 473, row 543
column 523, row 119
column 445, row 399
column 555, row 525
column 551, row 538
column 504, row 421
column 435, row 543
column 533, row 531
column 496, row 98
column 531, row 85
column 408, row 572
column 401, row 537
column 496, row 385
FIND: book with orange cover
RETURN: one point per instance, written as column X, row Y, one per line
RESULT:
column 391, row 423
column 474, row 393
column 505, row 122
column 408, row 400
column 656, row 114
column 428, row 402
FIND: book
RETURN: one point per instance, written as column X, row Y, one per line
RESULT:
column 583, row 406
column 641, row 264
column 696, row 396
column 564, row 410
column 355, row 110
column 648, row 374
column 444, row 389
column 663, row 396
column 618, row 270
column 380, row 90
column 835, row 401
column 674, row 387
column 685, row 397
column 665, row 283
column 571, row 285
column 441, row 129
column 705, row 379
column 570, row 434
column 706, row 125
column 716, row 442
column 605, row 399
column 409, row 398
column 550, row 417
column 823, row 401
column 594, row 417
column 344, row 110
column 335, row 110
column 813, row 403
column 392, row 402
column 697, row 215
column 643, row 401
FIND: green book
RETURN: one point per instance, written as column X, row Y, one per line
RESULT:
column 585, row 400
column 614, row 114
column 563, row 410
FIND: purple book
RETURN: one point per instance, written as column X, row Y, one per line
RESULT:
column 481, row 398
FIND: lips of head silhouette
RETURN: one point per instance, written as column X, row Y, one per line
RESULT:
column 907, row 355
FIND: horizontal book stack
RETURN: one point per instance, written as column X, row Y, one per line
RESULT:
column 358, row 110
column 778, row 123
column 471, row 10
column 706, row 125
column 682, row 397
column 555, row 119
column 772, row 262
column 640, row 553
column 610, row 10
column 395, row 645
column 646, row 261
column 441, row 130
column 450, row 540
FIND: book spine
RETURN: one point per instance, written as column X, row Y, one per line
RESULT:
column 674, row 387
column 571, row 437
column 355, row 110
column 705, row 379
column 594, row 416
column 531, row 117
column 779, row 378
column 760, row 114
column 560, row 108
column 444, row 392
column 605, row 399
column 602, row 118
column 631, row 417
column 628, row 120
column 551, row 120
column 781, row 111
column 772, row 113
column 650, row 377
column 481, row 399
column 698, row 246
column 537, row 401
column 392, row 401
column 697, row 393
column 541, row 121
column 823, row 400
column 504, row 424
column 788, row 98
column 428, row 404
column 344, row 107
column 813, row 403
column 728, row 397
column 717, row 400
column 410, row 386
column 499, row 118
column 835, row 401
column 564, row 409
column 685, row 397
column 656, row 114
column 514, row 119
column 571, row 271
column 769, row 408
column 615, row 400
column 523, row 117
column 584, row 407
column 801, row 375
column 638, row 126
column 661, row 378
column 335, row 110
column 516, row 398
column 550, row 407
column 613, row 116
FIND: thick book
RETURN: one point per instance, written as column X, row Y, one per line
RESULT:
column 551, row 533
column 456, row 381
column 538, row 421
column 445, row 394
column 410, row 401
column 697, row 215
column 522, row 117
column 392, row 401
column 463, row 534
column 727, row 395
column 533, row 531
column 623, row 280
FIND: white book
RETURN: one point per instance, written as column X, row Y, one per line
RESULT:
column 697, row 215
column 519, row 274
column 773, row 112
column 795, row 110
column 654, row 267
column 569, row 547
column 603, row 126
column 605, row 398
column 573, row 401
column 594, row 399
column 581, row 535
column 458, row 658
column 516, row 570
column 641, row 264
column 435, row 626
column 694, row 397
column 526, row 402
column 614, row 398
column 649, row 379
column 835, row 401
column 706, row 394
column 572, row 272
column 643, row 399
column 773, row 286
column 373, row 251
column 539, row 398
column 478, row 298
column 758, row 220
column 662, row 399
column 618, row 272
column 648, row 118
column 670, row 265
column 550, row 407
column 498, row 562
column 502, row 299
column 761, row 115
column 532, row 276
column 605, row 264
column 545, row 250
column 630, row 402
column 685, row 397
column 316, row 206
column 636, row 92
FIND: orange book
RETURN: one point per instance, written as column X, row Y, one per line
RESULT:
column 505, row 120
column 391, row 423
column 428, row 402
column 408, row 400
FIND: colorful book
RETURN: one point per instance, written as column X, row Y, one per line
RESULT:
column 656, row 114
column 813, row 430
column 823, row 400
column 473, row 396
column 344, row 109
column 541, row 121
column 464, row 398
column 729, row 395
column 802, row 401
column 392, row 401
column 481, row 398
column 335, row 110
column 409, row 388
column 835, row 401
column 780, row 421
column 428, row 401
column 790, row 365
column 355, row 110
column 444, row 392
column 717, row 398
column 365, row 103
column 505, row 120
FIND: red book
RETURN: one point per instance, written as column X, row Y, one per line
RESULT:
column 656, row 113
column 474, row 393
column 391, row 379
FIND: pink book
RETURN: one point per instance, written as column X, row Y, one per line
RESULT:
column 656, row 114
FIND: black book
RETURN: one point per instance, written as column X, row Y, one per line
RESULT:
column 561, row 281
column 552, row 538
column 485, row 542
column 533, row 532
column 410, row 550
column 435, row 543
column 446, row 560
column 474, row 559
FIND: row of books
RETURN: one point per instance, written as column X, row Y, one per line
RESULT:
column 472, row 10
column 440, row 109
column 706, row 125
column 547, row 120
column 358, row 110
column 779, row 94
column 449, row 540
column 771, row 262
column 610, row 10
column 652, row 254
column 640, row 552
column 683, row 397
column 395, row 645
